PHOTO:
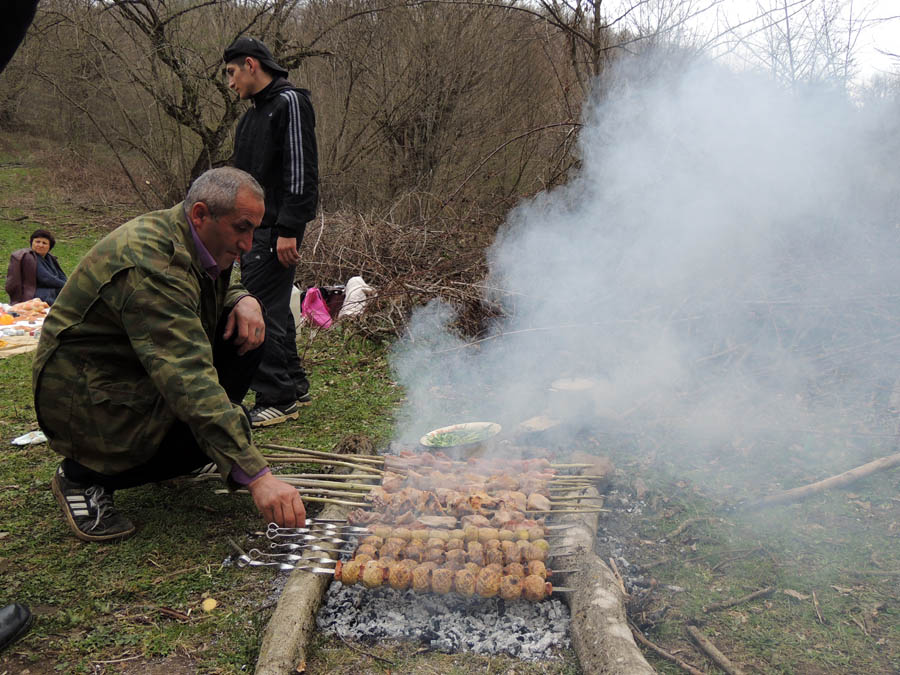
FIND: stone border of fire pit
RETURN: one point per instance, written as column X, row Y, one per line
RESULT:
column 599, row 628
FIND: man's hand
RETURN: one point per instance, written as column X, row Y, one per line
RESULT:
column 277, row 501
column 246, row 324
column 286, row 248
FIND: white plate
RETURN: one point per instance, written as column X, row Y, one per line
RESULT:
column 487, row 430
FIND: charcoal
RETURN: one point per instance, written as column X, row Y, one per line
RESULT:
column 448, row 623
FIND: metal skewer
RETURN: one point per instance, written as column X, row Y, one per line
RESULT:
column 336, row 527
column 307, row 540
column 304, row 547
column 245, row 561
column 256, row 554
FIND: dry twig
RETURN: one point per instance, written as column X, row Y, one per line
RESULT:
column 712, row 651
column 615, row 571
column 740, row 555
column 818, row 609
column 663, row 653
column 363, row 651
column 716, row 606
column 842, row 479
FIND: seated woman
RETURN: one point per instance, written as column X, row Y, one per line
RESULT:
column 34, row 272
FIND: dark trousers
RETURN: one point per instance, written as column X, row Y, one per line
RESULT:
column 280, row 378
column 179, row 452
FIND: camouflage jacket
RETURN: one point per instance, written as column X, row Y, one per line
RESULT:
column 127, row 349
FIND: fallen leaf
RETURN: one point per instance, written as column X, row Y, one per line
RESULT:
column 795, row 594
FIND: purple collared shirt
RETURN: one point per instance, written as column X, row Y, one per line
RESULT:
column 240, row 476
column 206, row 259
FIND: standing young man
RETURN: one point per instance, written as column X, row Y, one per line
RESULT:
column 275, row 142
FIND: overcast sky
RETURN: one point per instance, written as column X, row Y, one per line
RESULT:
column 883, row 35
column 880, row 17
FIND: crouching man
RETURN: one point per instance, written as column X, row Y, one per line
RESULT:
column 146, row 355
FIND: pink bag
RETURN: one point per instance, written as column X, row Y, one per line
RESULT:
column 314, row 308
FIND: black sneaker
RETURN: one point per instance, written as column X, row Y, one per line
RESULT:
column 89, row 510
column 304, row 398
column 266, row 415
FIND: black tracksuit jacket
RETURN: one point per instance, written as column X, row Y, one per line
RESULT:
column 275, row 142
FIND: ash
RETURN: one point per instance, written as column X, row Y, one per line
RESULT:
column 448, row 623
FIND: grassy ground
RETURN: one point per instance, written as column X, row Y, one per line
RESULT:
column 833, row 560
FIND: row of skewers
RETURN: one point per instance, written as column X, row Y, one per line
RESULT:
column 493, row 567
column 510, row 583
column 428, row 523
column 411, row 488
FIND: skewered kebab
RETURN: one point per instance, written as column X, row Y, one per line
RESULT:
column 421, row 461
column 381, row 533
column 487, row 583
column 516, row 560
column 439, row 550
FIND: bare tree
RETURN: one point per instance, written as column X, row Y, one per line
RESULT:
column 801, row 41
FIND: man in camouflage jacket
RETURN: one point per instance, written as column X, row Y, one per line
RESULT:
column 146, row 354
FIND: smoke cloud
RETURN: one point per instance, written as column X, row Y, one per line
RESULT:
column 724, row 266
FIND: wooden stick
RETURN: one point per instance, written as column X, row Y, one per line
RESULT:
column 712, row 652
column 840, row 480
column 361, row 651
column 340, row 502
column 663, row 653
column 370, row 459
column 618, row 576
column 297, row 459
column 725, row 604
column 319, row 500
column 877, row 573
column 584, row 510
column 327, row 493
column 305, row 482
column 818, row 609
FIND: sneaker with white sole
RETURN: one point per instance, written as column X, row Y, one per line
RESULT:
column 206, row 471
column 89, row 510
column 267, row 415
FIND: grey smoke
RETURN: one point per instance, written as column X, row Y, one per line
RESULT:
column 724, row 264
